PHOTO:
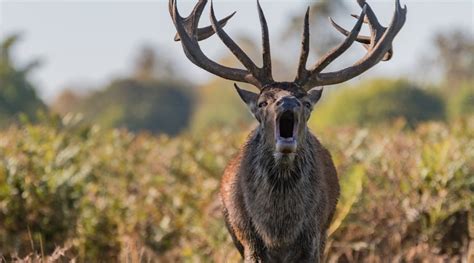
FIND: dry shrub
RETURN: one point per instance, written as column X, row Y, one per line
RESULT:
column 115, row 196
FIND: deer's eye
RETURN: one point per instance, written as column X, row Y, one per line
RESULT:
column 307, row 104
column 262, row 104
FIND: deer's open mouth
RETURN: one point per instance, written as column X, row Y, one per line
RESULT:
column 286, row 124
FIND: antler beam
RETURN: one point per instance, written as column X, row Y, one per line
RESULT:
column 189, row 34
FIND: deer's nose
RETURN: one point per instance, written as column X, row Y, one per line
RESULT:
column 288, row 103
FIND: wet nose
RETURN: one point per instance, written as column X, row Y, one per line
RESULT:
column 288, row 103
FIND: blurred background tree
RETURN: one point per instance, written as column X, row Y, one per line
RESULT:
column 455, row 55
column 379, row 101
column 150, row 65
column 17, row 93
column 66, row 101
column 158, row 107
column 150, row 100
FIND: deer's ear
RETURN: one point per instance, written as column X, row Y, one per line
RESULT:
column 314, row 94
column 248, row 97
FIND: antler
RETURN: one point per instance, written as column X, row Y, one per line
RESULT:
column 189, row 34
column 378, row 45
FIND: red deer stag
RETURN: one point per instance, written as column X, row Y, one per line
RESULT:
column 279, row 194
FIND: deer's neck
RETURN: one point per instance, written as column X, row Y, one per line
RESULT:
column 278, row 193
column 279, row 174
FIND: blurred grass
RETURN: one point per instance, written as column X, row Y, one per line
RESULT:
column 110, row 195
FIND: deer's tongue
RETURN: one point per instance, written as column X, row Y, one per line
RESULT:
column 286, row 145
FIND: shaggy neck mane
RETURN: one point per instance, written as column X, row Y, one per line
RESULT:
column 278, row 175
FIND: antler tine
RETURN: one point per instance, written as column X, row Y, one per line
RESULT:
column 376, row 31
column 378, row 49
column 372, row 20
column 189, row 40
column 208, row 31
column 336, row 52
column 302, row 72
column 364, row 40
column 379, row 30
column 233, row 47
column 366, row 21
column 191, row 22
column 266, row 55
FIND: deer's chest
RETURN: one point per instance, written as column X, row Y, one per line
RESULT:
column 281, row 210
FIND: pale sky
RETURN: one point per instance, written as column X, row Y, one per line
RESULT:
column 86, row 43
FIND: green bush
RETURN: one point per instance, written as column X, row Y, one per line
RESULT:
column 462, row 102
column 108, row 195
column 379, row 101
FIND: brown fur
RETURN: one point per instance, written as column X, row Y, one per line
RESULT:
column 278, row 209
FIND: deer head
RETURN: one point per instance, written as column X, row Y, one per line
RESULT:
column 283, row 108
